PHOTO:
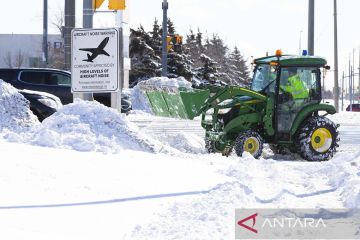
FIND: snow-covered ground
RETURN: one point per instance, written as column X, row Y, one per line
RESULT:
column 88, row 172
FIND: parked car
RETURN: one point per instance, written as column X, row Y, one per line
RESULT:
column 355, row 107
column 42, row 104
column 53, row 81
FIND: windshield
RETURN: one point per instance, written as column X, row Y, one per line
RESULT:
column 263, row 76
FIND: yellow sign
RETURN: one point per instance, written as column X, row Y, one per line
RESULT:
column 97, row 3
column 117, row 4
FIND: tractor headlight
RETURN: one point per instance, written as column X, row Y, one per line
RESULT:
column 51, row 103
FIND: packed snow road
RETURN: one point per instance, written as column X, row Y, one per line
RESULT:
column 349, row 132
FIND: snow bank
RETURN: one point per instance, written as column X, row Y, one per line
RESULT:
column 15, row 113
column 166, row 82
column 184, row 142
column 257, row 184
column 139, row 101
column 90, row 126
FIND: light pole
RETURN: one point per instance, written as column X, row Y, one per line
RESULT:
column 300, row 42
column 45, row 33
column 336, row 74
column 165, row 7
column 311, row 27
column 69, row 25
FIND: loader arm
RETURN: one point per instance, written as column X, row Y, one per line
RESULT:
column 220, row 94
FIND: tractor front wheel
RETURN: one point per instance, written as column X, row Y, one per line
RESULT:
column 249, row 141
column 210, row 146
column 317, row 139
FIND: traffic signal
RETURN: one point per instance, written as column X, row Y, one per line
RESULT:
column 174, row 42
column 97, row 3
column 169, row 43
column 117, row 4
column 178, row 40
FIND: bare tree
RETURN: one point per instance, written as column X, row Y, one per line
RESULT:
column 19, row 58
column 58, row 20
column 8, row 60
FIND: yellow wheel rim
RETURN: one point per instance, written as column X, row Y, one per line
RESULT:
column 251, row 145
column 321, row 140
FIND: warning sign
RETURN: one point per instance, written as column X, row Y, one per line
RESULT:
column 95, row 60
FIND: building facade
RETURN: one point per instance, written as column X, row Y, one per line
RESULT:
column 25, row 50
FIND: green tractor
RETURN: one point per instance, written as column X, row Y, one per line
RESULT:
column 282, row 108
column 277, row 110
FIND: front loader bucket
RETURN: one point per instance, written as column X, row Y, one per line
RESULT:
column 193, row 100
column 158, row 103
column 175, row 102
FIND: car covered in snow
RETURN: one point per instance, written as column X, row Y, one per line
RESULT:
column 53, row 81
column 42, row 104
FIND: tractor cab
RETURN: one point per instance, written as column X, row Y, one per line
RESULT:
column 294, row 82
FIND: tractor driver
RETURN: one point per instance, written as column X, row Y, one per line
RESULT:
column 295, row 87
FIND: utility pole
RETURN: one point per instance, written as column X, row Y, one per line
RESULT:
column 300, row 43
column 353, row 78
column 165, row 7
column 45, row 33
column 342, row 91
column 350, row 85
column 69, row 25
column 336, row 67
column 359, row 79
column 88, row 13
column 311, row 24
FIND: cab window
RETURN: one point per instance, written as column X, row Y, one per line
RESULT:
column 264, row 78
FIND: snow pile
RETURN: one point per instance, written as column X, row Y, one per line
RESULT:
column 90, row 126
column 184, row 142
column 139, row 99
column 15, row 113
column 257, row 184
column 166, row 82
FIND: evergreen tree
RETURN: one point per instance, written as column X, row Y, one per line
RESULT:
column 238, row 68
column 209, row 70
column 216, row 49
column 156, row 38
column 171, row 27
column 145, row 63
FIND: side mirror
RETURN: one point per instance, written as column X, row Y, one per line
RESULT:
column 327, row 67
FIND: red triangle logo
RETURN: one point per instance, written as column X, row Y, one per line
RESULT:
column 253, row 217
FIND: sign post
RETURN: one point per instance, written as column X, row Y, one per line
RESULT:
column 96, row 65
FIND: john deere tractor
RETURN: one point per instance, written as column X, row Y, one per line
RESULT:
column 286, row 113
column 282, row 108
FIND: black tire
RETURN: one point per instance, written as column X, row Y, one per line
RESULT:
column 210, row 146
column 317, row 139
column 249, row 137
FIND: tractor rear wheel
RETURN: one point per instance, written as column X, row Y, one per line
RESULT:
column 249, row 141
column 317, row 139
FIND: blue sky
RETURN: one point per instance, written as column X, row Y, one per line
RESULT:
column 255, row 26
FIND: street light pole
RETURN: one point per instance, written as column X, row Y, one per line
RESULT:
column 165, row 7
column 336, row 67
column 311, row 27
column 88, row 13
column 45, row 33
column 69, row 25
